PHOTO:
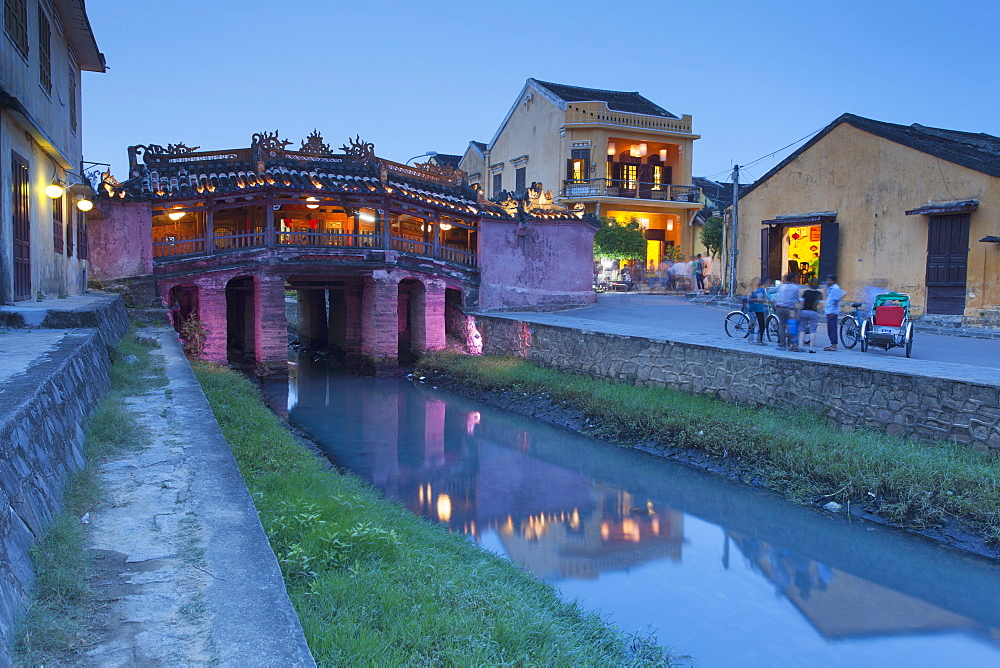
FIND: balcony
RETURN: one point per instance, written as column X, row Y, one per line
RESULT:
column 597, row 113
column 178, row 247
column 663, row 192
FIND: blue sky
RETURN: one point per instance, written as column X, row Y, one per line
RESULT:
column 419, row 76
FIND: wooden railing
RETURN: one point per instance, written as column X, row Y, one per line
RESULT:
column 631, row 189
column 412, row 245
column 179, row 246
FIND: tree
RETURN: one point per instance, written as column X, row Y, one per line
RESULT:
column 711, row 235
column 620, row 241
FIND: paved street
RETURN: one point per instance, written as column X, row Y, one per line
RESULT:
column 673, row 314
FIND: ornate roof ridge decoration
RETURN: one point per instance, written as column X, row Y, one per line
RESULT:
column 443, row 171
column 314, row 144
column 362, row 150
column 171, row 149
column 268, row 141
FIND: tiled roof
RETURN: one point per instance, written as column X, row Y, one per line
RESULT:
column 977, row 151
column 447, row 160
column 480, row 145
column 616, row 100
column 193, row 178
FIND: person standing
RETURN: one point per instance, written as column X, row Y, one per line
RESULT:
column 785, row 302
column 809, row 315
column 699, row 272
column 757, row 305
column 834, row 293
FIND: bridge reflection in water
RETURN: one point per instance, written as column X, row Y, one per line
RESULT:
column 725, row 573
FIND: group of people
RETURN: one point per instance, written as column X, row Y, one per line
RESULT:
column 681, row 274
column 798, row 312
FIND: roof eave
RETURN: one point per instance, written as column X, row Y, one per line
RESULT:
column 76, row 24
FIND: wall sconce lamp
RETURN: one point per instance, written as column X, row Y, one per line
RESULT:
column 84, row 204
column 643, row 150
column 670, row 225
column 56, row 189
column 612, row 149
column 663, row 155
column 312, row 206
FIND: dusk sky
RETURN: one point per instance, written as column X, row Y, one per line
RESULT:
column 418, row 76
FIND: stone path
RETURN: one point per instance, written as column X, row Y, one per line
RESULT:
column 186, row 569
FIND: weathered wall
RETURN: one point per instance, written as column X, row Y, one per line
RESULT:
column 895, row 402
column 121, row 242
column 41, row 431
column 546, row 264
column 870, row 182
column 531, row 130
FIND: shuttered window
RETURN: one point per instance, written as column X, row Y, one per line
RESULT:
column 15, row 22
column 57, row 224
column 44, row 52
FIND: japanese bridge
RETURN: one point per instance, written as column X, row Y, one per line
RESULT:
column 384, row 258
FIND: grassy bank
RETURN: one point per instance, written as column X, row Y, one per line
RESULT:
column 63, row 611
column 914, row 484
column 375, row 585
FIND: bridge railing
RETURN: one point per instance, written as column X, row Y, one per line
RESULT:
column 182, row 247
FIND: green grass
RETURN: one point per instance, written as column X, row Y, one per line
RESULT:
column 375, row 585
column 63, row 610
column 911, row 483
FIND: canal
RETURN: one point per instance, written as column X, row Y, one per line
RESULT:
column 719, row 571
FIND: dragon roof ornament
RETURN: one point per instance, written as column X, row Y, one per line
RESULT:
column 315, row 145
column 362, row 150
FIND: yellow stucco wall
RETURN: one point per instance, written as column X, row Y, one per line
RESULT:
column 532, row 130
column 870, row 182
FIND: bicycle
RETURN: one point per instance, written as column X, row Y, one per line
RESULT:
column 850, row 326
column 743, row 323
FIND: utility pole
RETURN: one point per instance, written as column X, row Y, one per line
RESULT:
column 733, row 223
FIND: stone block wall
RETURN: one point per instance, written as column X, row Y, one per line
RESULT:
column 42, row 413
column 895, row 402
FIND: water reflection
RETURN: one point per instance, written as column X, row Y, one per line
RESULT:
column 761, row 581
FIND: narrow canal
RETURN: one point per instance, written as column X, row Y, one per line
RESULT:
column 724, row 573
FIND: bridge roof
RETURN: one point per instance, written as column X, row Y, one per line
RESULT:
column 177, row 172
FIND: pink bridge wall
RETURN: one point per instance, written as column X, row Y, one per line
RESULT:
column 548, row 264
column 121, row 244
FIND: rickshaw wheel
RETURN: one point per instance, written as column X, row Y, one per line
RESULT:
column 909, row 338
column 864, row 337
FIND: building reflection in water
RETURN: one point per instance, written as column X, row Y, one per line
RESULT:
column 562, row 519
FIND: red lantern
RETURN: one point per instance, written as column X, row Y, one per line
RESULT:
column 313, row 223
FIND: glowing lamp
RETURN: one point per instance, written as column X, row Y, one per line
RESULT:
column 611, row 148
column 670, row 225
column 643, row 150
column 633, row 151
column 663, row 155
column 175, row 215
column 84, row 204
column 367, row 217
column 445, row 226
column 55, row 191
column 312, row 206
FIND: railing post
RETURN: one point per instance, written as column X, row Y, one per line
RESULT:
column 210, row 230
column 436, row 241
column 268, row 222
column 386, row 219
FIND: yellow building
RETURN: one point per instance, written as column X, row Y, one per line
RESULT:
column 612, row 153
column 884, row 207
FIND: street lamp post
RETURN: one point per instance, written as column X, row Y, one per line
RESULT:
column 430, row 154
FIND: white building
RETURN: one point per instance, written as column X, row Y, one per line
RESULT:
column 43, row 246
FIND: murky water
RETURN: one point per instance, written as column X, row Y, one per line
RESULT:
column 726, row 574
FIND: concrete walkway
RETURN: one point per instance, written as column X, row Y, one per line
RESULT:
column 186, row 565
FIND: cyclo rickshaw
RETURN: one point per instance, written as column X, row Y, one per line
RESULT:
column 889, row 325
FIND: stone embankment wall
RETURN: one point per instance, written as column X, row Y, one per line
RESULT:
column 42, row 413
column 897, row 402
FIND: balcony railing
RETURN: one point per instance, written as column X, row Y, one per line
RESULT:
column 177, row 247
column 665, row 192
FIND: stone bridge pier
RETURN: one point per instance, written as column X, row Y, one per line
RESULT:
column 387, row 317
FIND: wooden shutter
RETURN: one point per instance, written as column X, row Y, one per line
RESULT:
column 57, row 225
column 770, row 252
column 829, row 247
column 20, row 209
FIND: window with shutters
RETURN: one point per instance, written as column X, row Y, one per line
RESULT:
column 578, row 168
column 69, row 236
column 15, row 23
column 44, row 52
column 497, row 184
column 520, row 178
column 57, row 224
column 82, row 236
column 72, row 97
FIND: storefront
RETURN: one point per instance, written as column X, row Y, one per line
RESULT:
column 804, row 246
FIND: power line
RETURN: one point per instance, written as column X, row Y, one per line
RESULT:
column 764, row 157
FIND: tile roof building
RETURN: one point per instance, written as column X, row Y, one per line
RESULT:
column 885, row 207
column 610, row 153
